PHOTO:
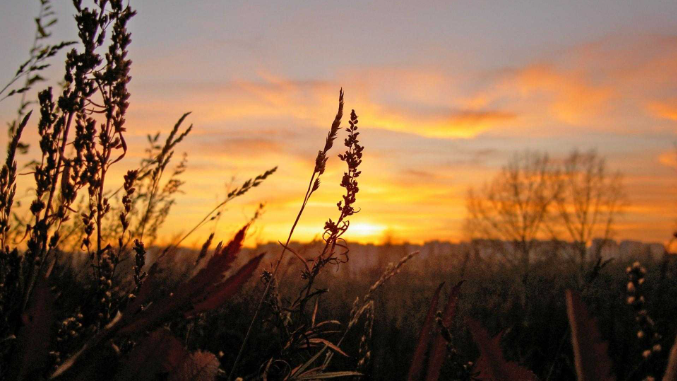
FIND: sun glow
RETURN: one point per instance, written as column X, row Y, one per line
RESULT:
column 365, row 231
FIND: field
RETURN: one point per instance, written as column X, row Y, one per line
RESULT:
column 535, row 331
column 93, row 288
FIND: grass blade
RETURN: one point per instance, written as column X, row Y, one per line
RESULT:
column 34, row 336
column 671, row 369
column 590, row 352
column 491, row 364
column 439, row 350
column 424, row 338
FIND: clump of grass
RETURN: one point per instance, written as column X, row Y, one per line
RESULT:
column 130, row 316
column 115, row 325
column 82, row 135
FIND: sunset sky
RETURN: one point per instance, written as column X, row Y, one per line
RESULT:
column 446, row 92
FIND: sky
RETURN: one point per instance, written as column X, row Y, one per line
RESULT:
column 446, row 92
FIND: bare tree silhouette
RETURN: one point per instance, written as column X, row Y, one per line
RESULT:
column 589, row 199
column 513, row 206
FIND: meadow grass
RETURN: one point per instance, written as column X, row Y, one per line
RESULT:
column 87, row 293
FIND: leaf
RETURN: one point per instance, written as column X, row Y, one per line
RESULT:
column 43, row 33
column 35, row 78
column 329, row 344
column 320, row 376
column 199, row 366
column 491, row 364
column 34, row 336
column 439, row 350
column 157, row 354
column 424, row 338
column 590, row 352
column 671, row 369
column 198, row 287
column 204, row 288
column 317, row 304
column 301, row 368
column 228, row 288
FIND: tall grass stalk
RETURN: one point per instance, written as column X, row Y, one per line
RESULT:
column 313, row 185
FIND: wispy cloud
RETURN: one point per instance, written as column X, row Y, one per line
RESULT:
column 664, row 110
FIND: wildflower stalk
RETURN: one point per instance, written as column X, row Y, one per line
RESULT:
column 84, row 79
column 313, row 185
column 248, row 185
column 335, row 230
column 647, row 334
column 8, row 183
column 160, row 162
column 36, row 62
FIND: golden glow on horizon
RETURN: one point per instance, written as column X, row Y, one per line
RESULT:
column 429, row 132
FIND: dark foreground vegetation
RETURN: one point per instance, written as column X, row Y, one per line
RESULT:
column 530, row 318
column 85, row 293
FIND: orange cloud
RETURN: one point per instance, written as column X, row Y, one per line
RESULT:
column 669, row 159
column 664, row 110
column 453, row 124
column 407, row 108
column 569, row 96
